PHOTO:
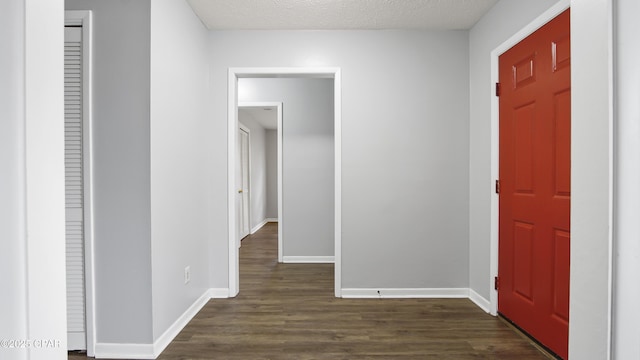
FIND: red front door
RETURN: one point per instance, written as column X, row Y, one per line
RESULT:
column 535, row 193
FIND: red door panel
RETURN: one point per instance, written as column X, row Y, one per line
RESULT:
column 535, row 184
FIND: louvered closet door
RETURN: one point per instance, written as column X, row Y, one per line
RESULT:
column 74, row 189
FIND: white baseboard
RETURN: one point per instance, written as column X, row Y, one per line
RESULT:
column 308, row 259
column 259, row 226
column 124, row 351
column 262, row 223
column 152, row 351
column 76, row 340
column 394, row 293
column 219, row 293
column 165, row 339
column 480, row 301
column 398, row 293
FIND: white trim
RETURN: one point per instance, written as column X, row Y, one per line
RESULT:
column 280, row 187
column 165, row 339
column 75, row 338
column 626, row 292
column 77, row 17
column 263, row 223
column 152, row 351
column 544, row 18
column 219, row 293
column 308, row 259
column 480, row 301
column 258, row 104
column 612, row 158
column 232, row 125
column 337, row 101
column 408, row 293
column 592, row 160
column 232, row 120
column 289, row 72
column 124, row 351
column 84, row 18
column 259, row 226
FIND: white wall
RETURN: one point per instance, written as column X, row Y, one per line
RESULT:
column 405, row 104
column 626, row 329
column 307, row 165
column 371, row 101
column 150, row 191
column 591, row 179
column 13, row 306
column 121, row 162
column 258, row 194
column 180, row 152
column 32, row 261
column 271, row 152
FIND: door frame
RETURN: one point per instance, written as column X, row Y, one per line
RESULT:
column 83, row 18
column 232, row 124
column 242, row 127
column 530, row 28
column 278, row 106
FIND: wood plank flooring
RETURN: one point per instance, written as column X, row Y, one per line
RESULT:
column 288, row 311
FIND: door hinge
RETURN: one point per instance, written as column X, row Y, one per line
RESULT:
column 496, row 283
column 498, row 88
column 497, row 186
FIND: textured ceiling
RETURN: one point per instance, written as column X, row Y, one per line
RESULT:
column 340, row 14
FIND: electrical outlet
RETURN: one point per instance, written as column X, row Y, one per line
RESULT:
column 187, row 274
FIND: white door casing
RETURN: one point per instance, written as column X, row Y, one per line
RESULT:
column 232, row 138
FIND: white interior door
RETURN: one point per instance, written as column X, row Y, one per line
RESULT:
column 243, row 185
column 74, row 189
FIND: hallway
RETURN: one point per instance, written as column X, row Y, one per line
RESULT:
column 288, row 311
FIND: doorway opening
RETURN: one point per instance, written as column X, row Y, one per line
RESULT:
column 319, row 73
column 243, row 179
column 266, row 117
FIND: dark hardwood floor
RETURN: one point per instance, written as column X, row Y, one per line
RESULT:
column 288, row 311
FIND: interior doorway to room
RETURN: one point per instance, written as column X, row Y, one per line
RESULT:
column 534, row 186
column 262, row 121
column 243, row 179
column 333, row 75
column 306, row 158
